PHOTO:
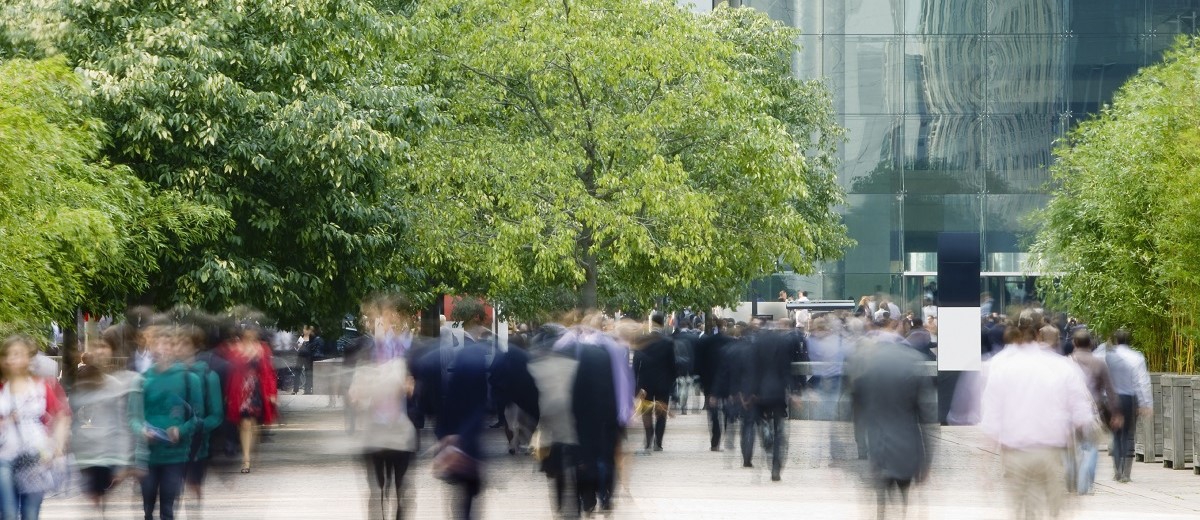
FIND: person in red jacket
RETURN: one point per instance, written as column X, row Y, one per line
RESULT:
column 251, row 388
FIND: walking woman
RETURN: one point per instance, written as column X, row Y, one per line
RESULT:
column 34, row 423
column 101, row 438
column 251, row 388
column 170, row 399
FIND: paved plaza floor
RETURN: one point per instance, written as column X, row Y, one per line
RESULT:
column 311, row 470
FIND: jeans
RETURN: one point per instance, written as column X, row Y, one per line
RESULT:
column 28, row 505
column 1086, row 455
column 1123, row 440
column 163, row 483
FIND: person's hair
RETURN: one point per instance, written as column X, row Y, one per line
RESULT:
column 1122, row 337
column 804, row 294
column 1024, row 329
column 468, row 309
column 657, row 318
column 916, row 322
column 1049, row 334
column 1082, row 339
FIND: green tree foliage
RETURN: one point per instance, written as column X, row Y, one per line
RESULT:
column 76, row 231
column 618, row 150
column 287, row 114
column 1123, row 228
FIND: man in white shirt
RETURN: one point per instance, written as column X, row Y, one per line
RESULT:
column 1033, row 402
column 1131, row 380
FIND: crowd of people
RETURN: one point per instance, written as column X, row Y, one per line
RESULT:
column 157, row 397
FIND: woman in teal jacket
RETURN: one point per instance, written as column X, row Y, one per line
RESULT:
column 171, row 403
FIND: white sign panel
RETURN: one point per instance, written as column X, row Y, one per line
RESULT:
column 959, row 339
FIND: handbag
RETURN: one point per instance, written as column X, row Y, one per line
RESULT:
column 452, row 464
column 32, row 473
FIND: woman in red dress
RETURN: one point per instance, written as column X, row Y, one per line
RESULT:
column 251, row 388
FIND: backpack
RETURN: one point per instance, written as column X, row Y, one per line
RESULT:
column 198, row 436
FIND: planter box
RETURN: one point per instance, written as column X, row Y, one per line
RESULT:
column 1195, row 423
column 1148, row 438
column 1178, row 417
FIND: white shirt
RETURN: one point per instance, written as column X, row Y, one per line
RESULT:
column 1129, row 375
column 929, row 311
column 1033, row 398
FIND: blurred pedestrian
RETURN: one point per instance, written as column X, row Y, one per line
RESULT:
column 170, row 397
column 312, row 349
column 35, row 421
column 888, row 389
column 1132, row 383
column 654, row 371
column 1033, row 402
column 101, row 439
column 380, row 390
column 462, row 407
column 1104, row 398
column 210, row 413
column 250, row 392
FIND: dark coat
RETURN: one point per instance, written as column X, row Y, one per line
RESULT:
column 922, row 342
column 708, row 353
column 654, row 366
column 464, row 397
column 594, row 404
column 888, row 392
column 772, row 371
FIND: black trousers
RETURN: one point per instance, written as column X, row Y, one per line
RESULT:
column 655, row 424
column 163, row 484
column 304, row 375
column 715, row 409
column 385, row 472
column 1122, row 444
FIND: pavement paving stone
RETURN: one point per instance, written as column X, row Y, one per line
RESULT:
column 311, row 470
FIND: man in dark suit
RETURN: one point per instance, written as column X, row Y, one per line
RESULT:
column 772, row 384
column 888, row 391
column 708, row 354
column 654, row 372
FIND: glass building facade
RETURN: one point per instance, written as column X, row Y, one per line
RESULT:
column 951, row 109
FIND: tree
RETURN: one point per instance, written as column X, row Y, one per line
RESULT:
column 76, row 231
column 285, row 114
column 1123, row 228
column 620, row 150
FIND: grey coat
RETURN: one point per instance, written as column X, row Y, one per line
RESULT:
column 888, row 392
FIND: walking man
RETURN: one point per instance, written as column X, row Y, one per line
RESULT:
column 1132, row 383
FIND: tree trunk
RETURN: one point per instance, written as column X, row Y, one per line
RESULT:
column 69, row 354
column 587, row 257
column 431, row 326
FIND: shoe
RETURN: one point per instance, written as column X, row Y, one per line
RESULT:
column 245, row 469
column 775, row 477
column 658, row 448
column 747, row 465
column 715, row 448
column 294, row 392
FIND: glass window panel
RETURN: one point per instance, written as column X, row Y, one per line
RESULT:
column 873, row 222
column 943, row 154
column 870, row 157
column 1018, row 152
column 865, row 73
column 943, row 75
column 1097, row 66
column 808, row 62
column 927, row 215
column 1171, row 17
column 1107, row 16
column 1028, row 16
column 801, row 14
column 867, row 16
column 1026, row 74
column 946, row 16
column 1007, row 225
